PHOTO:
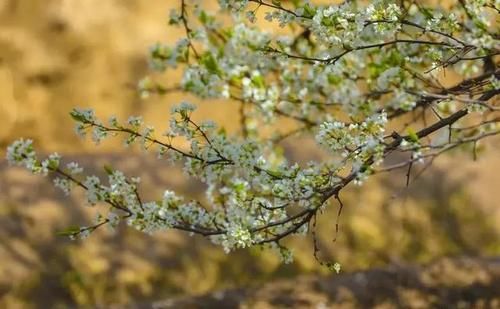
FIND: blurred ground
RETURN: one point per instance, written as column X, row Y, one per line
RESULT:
column 58, row 54
column 447, row 283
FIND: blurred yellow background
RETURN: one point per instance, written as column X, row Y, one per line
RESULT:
column 59, row 54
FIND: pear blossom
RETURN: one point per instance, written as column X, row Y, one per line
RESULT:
column 347, row 76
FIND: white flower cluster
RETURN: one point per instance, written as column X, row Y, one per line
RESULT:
column 347, row 138
column 21, row 152
column 163, row 56
column 234, row 5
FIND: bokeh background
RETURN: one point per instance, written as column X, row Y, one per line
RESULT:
column 59, row 54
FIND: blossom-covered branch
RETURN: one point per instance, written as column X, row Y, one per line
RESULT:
column 347, row 74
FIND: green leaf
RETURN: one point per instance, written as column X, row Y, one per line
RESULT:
column 108, row 169
column 222, row 131
column 309, row 11
column 71, row 230
column 258, row 80
column 412, row 135
column 205, row 18
column 189, row 85
column 211, row 64
column 334, row 79
column 77, row 116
